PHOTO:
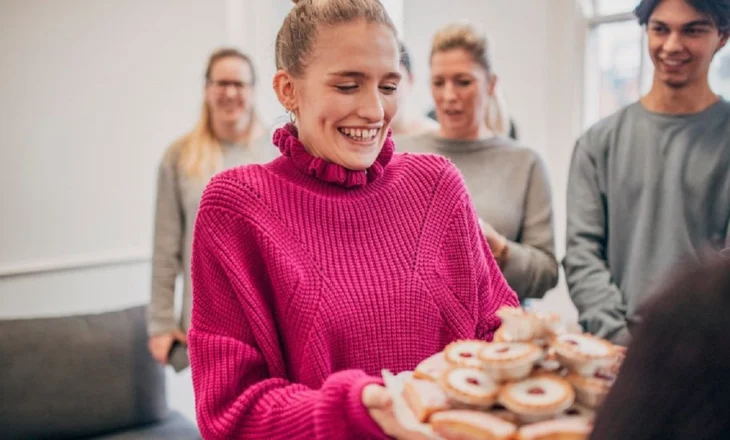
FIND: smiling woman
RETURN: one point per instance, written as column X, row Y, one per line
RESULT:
column 339, row 259
column 228, row 133
column 354, row 86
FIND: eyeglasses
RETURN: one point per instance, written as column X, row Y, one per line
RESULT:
column 222, row 85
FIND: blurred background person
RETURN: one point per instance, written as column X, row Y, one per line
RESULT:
column 408, row 122
column 497, row 119
column 228, row 133
column 674, row 382
column 507, row 182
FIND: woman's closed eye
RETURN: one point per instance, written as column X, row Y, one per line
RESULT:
column 347, row 88
column 389, row 89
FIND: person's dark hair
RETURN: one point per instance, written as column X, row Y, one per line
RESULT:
column 674, row 382
column 717, row 10
column 405, row 57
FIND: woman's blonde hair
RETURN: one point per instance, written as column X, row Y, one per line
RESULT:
column 467, row 38
column 201, row 150
column 299, row 30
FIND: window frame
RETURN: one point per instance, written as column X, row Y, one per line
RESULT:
column 591, row 70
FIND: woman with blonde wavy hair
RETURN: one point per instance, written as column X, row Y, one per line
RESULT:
column 229, row 133
column 507, row 181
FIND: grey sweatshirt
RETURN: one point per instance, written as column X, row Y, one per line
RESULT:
column 646, row 191
column 178, row 197
column 510, row 189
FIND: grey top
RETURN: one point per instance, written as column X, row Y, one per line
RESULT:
column 510, row 189
column 178, row 197
column 646, row 191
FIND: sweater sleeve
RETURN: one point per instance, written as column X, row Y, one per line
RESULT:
column 592, row 288
column 466, row 263
column 494, row 292
column 167, row 249
column 239, row 374
column 531, row 268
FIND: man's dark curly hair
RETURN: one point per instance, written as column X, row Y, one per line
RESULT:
column 716, row 10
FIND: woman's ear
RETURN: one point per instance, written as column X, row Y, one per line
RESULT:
column 284, row 89
column 492, row 81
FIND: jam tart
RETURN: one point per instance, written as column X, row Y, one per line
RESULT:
column 551, row 324
column 464, row 353
column 549, row 363
column 590, row 391
column 571, row 428
column 537, row 398
column 519, row 325
column 505, row 361
column 469, row 387
column 472, row 425
column 584, row 354
column 432, row 367
column 424, row 398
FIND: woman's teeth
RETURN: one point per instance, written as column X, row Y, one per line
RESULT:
column 359, row 134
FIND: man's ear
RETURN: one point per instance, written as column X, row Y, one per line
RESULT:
column 284, row 88
column 723, row 40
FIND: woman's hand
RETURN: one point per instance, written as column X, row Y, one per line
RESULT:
column 377, row 400
column 497, row 242
column 159, row 345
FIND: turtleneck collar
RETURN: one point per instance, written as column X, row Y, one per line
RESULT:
column 286, row 138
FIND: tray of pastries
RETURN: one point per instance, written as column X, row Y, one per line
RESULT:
column 537, row 380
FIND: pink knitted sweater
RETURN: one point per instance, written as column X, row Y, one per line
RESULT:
column 309, row 279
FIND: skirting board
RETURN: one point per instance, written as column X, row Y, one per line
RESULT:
column 75, row 262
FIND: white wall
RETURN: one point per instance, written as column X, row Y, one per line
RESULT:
column 93, row 91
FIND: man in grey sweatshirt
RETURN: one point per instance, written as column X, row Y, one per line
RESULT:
column 649, row 186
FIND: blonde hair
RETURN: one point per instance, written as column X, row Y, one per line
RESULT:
column 298, row 32
column 469, row 39
column 201, row 151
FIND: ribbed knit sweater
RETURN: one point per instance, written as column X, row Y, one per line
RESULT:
column 310, row 279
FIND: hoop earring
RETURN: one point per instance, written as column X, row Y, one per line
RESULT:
column 292, row 116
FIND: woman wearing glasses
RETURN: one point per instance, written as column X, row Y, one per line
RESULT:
column 228, row 133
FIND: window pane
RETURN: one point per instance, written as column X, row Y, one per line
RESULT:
column 720, row 73
column 606, row 7
column 619, row 58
